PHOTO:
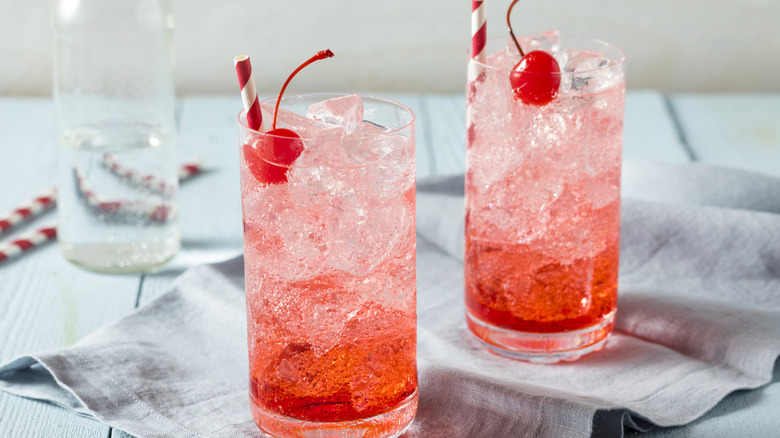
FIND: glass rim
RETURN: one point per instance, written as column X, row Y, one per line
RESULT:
column 618, row 62
column 413, row 116
column 242, row 122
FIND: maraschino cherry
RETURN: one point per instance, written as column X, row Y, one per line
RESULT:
column 536, row 78
column 279, row 147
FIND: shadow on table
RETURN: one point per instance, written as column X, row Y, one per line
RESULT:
column 201, row 252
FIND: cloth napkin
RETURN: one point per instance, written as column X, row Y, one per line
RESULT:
column 698, row 319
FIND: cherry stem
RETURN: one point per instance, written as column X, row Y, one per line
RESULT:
column 509, row 25
column 322, row 54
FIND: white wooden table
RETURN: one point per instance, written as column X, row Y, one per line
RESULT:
column 46, row 302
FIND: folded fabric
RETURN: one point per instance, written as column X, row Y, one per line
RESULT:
column 698, row 318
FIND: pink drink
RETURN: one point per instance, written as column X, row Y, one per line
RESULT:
column 543, row 203
column 330, row 271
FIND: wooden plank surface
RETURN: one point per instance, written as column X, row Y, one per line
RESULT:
column 446, row 116
column 740, row 131
column 649, row 130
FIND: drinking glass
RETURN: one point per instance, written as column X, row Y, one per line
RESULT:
column 329, row 254
column 543, row 202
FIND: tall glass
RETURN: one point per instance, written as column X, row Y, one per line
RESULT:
column 329, row 253
column 543, row 202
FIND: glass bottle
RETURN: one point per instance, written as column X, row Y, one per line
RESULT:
column 114, row 105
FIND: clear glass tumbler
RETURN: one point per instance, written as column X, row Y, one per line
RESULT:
column 329, row 254
column 543, row 202
column 115, row 119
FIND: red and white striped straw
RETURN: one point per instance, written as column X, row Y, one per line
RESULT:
column 26, row 242
column 120, row 211
column 478, row 54
column 28, row 210
column 254, row 117
column 148, row 181
column 131, row 211
column 188, row 170
column 131, row 176
column 478, row 30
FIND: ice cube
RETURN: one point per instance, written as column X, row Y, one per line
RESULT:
column 327, row 315
column 291, row 363
column 600, row 192
column 532, row 286
column 304, row 126
column 362, row 387
column 385, row 160
column 371, row 143
column 393, row 176
column 548, row 41
column 600, row 80
column 282, row 237
column 303, row 234
column 322, row 147
column 585, row 60
column 589, row 70
column 555, row 291
column 569, row 234
column 364, row 232
column 346, row 112
column 398, row 288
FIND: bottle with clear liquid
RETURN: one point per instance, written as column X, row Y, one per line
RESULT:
column 115, row 121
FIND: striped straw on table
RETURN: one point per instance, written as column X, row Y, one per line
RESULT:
column 28, row 210
column 26, row 242
column 188, row 170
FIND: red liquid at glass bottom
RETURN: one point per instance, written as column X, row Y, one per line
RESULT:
column 526, row 305
column 365, row 386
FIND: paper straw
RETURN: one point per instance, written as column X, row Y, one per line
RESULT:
column 148, row 182
column 188, row 170
column 131, row 211
column 476, row 72
column 26, row 242
column 478, row 40
column 121, row 211
column 478, row 30
column 254, row 117
column 28, row 210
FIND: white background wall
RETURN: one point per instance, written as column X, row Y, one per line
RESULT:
column 420, row 45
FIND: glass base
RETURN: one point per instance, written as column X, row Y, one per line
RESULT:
column 390, row 424
column 542, row 347
column 120, row 258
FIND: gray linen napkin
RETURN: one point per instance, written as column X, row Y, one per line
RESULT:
column 698, row 318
